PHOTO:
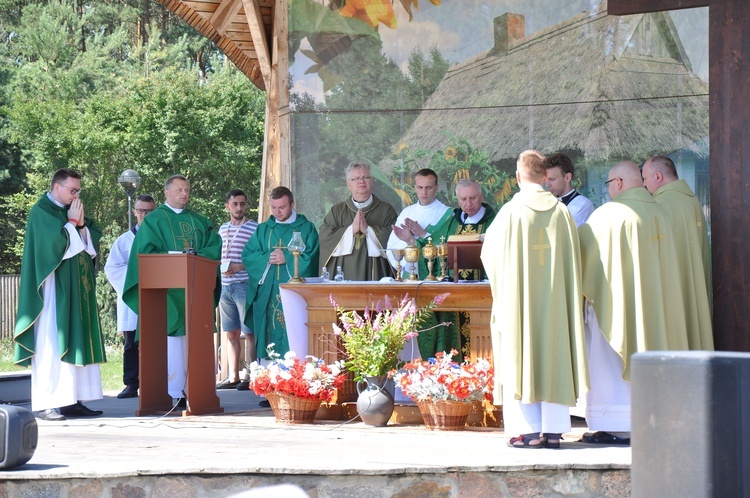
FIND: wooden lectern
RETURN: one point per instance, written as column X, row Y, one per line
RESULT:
column 464, row 252
column 197, row 275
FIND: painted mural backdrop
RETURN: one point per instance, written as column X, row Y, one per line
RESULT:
column 463, row 86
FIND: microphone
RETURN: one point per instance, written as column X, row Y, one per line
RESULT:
column 191, row 248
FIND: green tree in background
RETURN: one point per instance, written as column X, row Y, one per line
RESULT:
column 101, row 87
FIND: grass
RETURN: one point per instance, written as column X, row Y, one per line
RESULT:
column 111, row 371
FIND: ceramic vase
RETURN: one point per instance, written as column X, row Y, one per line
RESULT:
column 375, row 401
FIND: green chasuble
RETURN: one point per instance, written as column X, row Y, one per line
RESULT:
column 452, row 225
column 46, row 241
column 532, row 259
column 265, row 315
column 630, row 274
column 162, row 231
column 693, row 259
column 357, row 262
column 456, row 334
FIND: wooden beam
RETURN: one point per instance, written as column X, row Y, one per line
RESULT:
column 276, row 144
column 729, row 115
column 628, row 7
column 260, row 38
column 224, row 13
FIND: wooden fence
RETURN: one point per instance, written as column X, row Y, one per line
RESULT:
column 8, row 304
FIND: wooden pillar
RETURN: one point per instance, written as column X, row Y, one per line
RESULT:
column 276, row 146
column 729, row 91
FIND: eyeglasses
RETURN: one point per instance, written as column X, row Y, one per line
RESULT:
column 606, row 184
column 143, row 211
column 74, row 191
column 360, row 179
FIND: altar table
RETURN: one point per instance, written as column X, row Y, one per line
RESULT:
column 309, row 314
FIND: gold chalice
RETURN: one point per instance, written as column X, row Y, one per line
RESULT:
column 442, row 252
column 411, row 253
column 429, row 252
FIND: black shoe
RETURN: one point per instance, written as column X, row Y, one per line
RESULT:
column 227, row 384
column 243, row 386
column 264, row 403
column 601, row 437
column 79, row 410
column 51, row 414
column 182, row 403
column 128, row 392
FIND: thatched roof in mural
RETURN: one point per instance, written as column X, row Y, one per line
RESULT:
column 588, row 84
column 243, row 36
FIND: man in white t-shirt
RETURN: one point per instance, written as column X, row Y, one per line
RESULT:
column 559, row 182
column 127, row 320
column 418, row 219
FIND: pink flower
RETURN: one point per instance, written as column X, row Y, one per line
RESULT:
column 440, row 298
column 333, row 301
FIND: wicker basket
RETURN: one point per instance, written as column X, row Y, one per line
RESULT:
column 444, row 415
column 292, row 410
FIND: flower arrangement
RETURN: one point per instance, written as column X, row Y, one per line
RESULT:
column 373, row 340
column 441, row 378
column 309, row 379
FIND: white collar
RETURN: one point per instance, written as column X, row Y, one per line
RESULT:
column 476, row 217
column 362, row 204
column 292, row 218
column 178, row 211
column 49, row 196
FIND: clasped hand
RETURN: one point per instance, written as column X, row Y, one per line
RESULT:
column 75, row 210
column 359, row 225
column 277, row 257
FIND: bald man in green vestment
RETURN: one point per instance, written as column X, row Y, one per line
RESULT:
column 355, row 232
column 532, row 259
column 691, row 241
column 629, row 275
column 57, row 326
column 173, row 227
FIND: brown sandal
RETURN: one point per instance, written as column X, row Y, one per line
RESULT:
column 525, row 441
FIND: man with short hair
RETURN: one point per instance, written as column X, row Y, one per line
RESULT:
column 472, row 216
column 268, row 264
column 419, row 219
column 234, row 235
column 691, row 240
column 629, row 272
column 127, row 320
column 57, row 326
column 173, row 227
column 532, row 259
column 355, row 231
column 560, row 172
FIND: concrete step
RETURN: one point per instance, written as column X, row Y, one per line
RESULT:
column 15, row 387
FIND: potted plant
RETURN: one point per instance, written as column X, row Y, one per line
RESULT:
column 444, row 389
column 371, row 344
column 295, row 387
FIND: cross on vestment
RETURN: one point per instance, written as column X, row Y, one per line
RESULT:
column 659, row 236
column 541, row 246
column 729, row 117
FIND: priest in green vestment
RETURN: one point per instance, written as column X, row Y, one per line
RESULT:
column 532, row 259
column 630, row 274
column 268, row 265
column 691, row 241
column 472, row 216
column 172, row 227
column 355, row 232
column 57, row 328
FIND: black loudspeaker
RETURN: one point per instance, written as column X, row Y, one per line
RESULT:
column 690, row 424
column 18, row 436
